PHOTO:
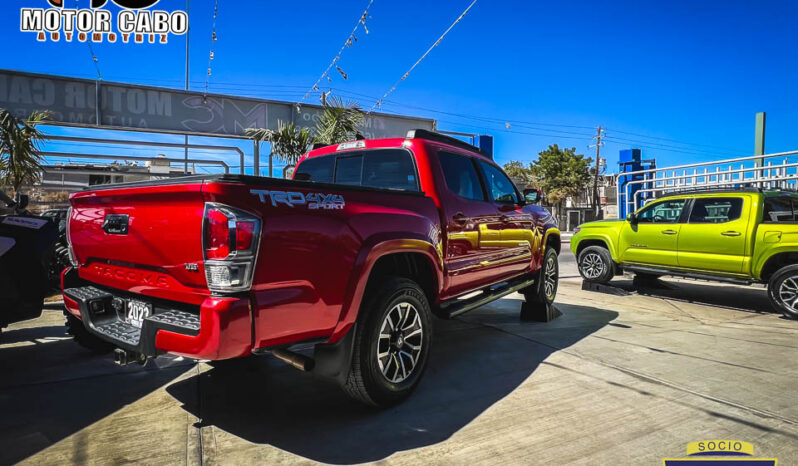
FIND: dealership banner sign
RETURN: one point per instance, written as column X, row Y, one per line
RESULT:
column 88, row 103
column 135, row 22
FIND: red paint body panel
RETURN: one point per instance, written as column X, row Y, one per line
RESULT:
column 312, row 266
column 225, row 333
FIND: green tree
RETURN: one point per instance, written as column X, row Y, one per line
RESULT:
column 288, row 142
column 20, row 157
column 338, row 122
column 562, row 173
column 522, row 175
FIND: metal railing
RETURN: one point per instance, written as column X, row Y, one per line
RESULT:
column 769, row 171
column 170, row 145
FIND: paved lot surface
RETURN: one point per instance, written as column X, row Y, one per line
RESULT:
column 614, row 380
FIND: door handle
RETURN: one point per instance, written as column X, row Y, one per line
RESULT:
column 668, row 232
column 731, row 233
column 459, row 218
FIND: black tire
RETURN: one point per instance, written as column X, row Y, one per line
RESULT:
column 367, row 382
column 783, row 288
column 595, row 264
column 540, row 296
column 74, row 327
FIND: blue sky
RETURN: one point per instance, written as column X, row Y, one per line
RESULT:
column 693, row 72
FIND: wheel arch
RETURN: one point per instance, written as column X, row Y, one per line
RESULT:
column 552, row 239
column 585, row 243
column 775, row 262
column 413, row 258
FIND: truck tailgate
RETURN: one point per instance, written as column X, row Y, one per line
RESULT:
column 145, row 240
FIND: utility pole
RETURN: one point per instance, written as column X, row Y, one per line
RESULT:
column 188, row 35
column 599, row 135
column 759, row 142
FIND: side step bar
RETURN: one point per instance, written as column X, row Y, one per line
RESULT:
column 676, row 273
column 456, row 307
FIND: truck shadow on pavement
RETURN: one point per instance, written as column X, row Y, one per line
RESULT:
column 51, row 388
column 476, row 361
column 741, row 298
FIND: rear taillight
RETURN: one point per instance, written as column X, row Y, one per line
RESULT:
column 230, row 244
column 72, row 258
column 217, row 231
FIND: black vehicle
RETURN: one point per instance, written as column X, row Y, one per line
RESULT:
column 32, row 252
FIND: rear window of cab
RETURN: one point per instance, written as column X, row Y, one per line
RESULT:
column 393, row 169
column 780, row 209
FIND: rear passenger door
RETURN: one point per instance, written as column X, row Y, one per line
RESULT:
column 471, row 223
column 716, row 234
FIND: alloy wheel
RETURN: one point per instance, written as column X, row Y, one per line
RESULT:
column 550, row 278
column 592, row 266
column 788, row 292
column 400, row 341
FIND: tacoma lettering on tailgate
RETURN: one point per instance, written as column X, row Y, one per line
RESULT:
column 134, row 276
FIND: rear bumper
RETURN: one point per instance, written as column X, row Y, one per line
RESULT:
column 220, row 328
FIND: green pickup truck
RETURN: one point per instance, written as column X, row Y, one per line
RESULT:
column 742, row 236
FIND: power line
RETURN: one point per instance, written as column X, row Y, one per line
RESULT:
column 668, row 146
column 673, row 140
column 671, row 149
column 462, row 15
column 213, row 46
column 510, row 131
column 350, row 40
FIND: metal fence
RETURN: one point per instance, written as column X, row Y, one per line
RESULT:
column 769, row 171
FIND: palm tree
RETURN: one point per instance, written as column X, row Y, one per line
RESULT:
column 288, row 142
column 338, row 122
column 20, row 157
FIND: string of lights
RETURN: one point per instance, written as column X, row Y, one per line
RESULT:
column 350, row 40
column 94, row 58
column 211, row 56
column 404, row 76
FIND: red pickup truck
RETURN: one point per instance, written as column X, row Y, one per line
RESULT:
column 354, row 255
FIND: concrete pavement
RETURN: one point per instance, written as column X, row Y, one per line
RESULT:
column 614, row 380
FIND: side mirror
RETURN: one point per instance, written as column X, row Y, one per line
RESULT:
column 22, row 201
column 632, row 218
column 532, row 196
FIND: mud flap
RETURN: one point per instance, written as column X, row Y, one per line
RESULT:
column 333, row 361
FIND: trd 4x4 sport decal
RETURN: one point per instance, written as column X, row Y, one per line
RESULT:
column 291, row 199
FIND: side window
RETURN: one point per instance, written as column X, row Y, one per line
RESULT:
column 498, row 184
column 390, row 169
column 662, row 212
column 461, row 176
column 349, row 170
column 319, row 169
column 716, row 210
column 779, row 210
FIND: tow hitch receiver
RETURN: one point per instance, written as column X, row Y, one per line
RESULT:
column 124, row 357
